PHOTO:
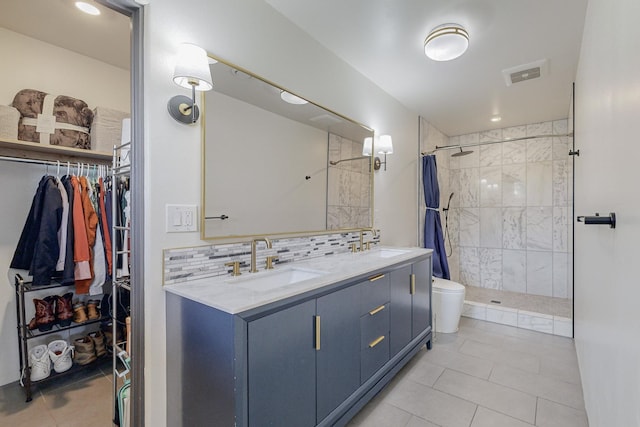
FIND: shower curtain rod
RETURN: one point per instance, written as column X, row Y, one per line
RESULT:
column 449, row 147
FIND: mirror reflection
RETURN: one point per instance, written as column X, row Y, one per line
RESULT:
column 274, row 163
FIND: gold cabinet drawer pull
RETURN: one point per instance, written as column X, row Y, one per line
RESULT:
column 376, row 341
column 376, row 310
column 374, row 278
column 413, row 284
column 317, row 332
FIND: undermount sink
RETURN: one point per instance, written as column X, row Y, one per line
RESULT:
column 388, row 253
column 268, row 280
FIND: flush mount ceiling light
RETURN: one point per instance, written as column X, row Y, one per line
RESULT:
column 292, row 99
column 87, row 8
column 446, row 42
column 496, row 119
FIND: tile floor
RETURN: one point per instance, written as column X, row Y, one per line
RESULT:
column 78, row 400
column 486, row 375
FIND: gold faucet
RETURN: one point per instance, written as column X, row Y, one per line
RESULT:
column 362, row 231
column 254, row 242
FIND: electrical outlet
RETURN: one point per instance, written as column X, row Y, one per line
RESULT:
column 181, row 218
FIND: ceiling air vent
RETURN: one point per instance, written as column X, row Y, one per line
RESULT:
column 524, row 72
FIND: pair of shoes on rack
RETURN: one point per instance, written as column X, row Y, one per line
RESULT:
column 41, row 357
column 51, row 310
column 107, row 329
column 82, row 312
column 89, row 348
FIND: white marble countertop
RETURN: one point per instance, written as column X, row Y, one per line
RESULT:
column 251, row 290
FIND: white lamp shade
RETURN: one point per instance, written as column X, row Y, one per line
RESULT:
column 385, row 145
column 367, row 146
column 192, row 66
column 446, row 42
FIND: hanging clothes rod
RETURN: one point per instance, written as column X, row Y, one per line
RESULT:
column 449, row 147
column 49, row 162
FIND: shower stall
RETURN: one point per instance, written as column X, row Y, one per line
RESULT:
column 507, row 198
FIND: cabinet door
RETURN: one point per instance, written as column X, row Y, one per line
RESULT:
column 282, row 368
column 421, row 318
column 400, row 310
column 338, row 359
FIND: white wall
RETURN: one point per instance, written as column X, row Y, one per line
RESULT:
column 28, row 63
column 31, row 64
column 254, row 36
column 607, row 318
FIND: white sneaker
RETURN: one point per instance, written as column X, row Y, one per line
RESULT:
column 61, row 355
column 39, row 362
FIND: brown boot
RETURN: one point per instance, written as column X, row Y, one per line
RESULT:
column 98, row 343
column 64, row 309
column 84, row 351
column 92, row 309
column 44, row 313
column 79, row 312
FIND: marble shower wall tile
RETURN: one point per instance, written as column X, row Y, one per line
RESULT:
column 514, row 152
column 490, row 268
column 560, row 182
column 469, row 227
column 514, row 185
column 539, row 150
column 514, row 228
column 491, row 227
column 334, row 147
column 539, row 184
column 454, row 187
column 469, row 187
column 491, row 186
column 333, row 186
column 560, row 148
column 514, row 132
column 452, row 226
column 491, row 154
column 560, row 126
column 560, row 229
column 540, row 273
column 539, row 228
column 469, row 266
column 454, row 262
column 560, row 276
column 471, row 160
column 544, row 128
column 514, row 271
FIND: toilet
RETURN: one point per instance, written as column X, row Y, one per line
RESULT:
column 447, row 303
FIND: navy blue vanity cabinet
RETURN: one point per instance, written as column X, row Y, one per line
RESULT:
column 410, row 303
column 338, row 355
column 282, row 368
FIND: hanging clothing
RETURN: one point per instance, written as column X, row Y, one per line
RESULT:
column 38, row 247
column 81, row 254
column 90, row 221
column 432, row 224
column 62, row 231
column 98, row 261
column 68, row 273
column 106, row 230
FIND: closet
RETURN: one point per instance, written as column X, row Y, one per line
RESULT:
column 51, row 54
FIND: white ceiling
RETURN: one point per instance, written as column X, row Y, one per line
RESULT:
column 383, row 39
column 105, row 37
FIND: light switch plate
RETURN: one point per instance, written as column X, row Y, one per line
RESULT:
column 181, row 218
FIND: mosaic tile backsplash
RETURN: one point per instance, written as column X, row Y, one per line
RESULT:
column 185, row 264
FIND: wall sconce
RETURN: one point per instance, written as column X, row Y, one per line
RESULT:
column 384, row 145
column 367, row 150
column 191, row 72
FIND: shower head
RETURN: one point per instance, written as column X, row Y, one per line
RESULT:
column 461, row 153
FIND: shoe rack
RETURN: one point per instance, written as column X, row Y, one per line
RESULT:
column 23, row 289
column 121, row 285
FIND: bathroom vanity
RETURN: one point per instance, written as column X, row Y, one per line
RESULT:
column 308, row 343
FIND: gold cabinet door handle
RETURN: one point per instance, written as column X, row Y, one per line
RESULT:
column 317, row 332
column 413, row 284
column 376, row 310
column 376, row 341
column 374, row 278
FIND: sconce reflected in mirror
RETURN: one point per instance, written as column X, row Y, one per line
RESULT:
column 384, row 145
column 191, row 72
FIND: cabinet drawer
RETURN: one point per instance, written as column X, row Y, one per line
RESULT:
column 374, row 293
column 375, row 325
column 374, row 355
